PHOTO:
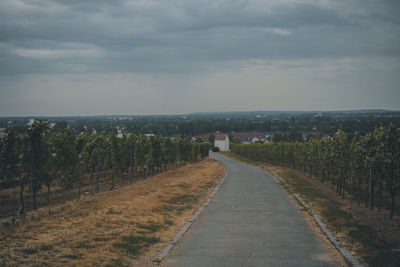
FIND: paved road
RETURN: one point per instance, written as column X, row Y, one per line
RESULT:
column 252, row 222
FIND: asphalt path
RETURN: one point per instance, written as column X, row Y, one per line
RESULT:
column 251, row 222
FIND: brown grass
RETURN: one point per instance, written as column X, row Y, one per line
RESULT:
column 125, row 227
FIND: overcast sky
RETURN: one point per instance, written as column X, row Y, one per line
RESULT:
column 74, row 57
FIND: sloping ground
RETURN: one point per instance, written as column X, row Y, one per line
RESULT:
column 373, row 236
column 251, row 222
column 125, row 227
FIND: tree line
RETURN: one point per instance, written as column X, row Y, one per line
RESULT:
column 40, row 158
column 366, row 167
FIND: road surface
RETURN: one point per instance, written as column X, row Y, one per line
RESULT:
column 252, row 222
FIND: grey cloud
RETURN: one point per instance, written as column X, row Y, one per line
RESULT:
column 181, row 37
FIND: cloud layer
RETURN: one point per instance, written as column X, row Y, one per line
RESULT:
column 45, row 40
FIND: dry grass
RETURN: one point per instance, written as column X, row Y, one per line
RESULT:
column 125, row 227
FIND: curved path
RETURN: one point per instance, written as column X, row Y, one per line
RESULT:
column 252, row 222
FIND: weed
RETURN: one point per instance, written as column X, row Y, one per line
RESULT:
column 130, row 249
column 116, row 263
column 6, row 224
column 152, row 227
column 72, row 256
column 208, row 185
column 100, row 239
column 164, row 209
column 134, row 245
column 183, row 199
column 112, row 211
column 46, row 247
column 142, row 232
column 185, row 186
column 180, row 210
column 84, row 245
column 144, row 240
column 169, row 222
column 30, row 251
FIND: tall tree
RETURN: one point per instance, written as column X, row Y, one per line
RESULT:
column 38, row 133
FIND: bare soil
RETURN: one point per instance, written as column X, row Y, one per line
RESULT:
column 128, row 226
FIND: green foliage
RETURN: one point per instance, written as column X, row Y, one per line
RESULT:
column 42, row 157
column 368, row 167
column 134, row 245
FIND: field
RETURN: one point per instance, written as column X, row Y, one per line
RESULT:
column 128, row 226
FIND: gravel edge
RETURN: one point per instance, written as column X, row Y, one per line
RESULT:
column 189, row 223
column 348, row 256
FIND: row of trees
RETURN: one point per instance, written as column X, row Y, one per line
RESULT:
column 367, row 167
column 41, row 157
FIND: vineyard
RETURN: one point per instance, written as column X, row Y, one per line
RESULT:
column 365, row 167
column 40, row 158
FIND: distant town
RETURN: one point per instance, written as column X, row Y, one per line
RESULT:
column 241, row 127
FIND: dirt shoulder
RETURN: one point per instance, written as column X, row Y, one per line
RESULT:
column 130, row 226
column 370, row 234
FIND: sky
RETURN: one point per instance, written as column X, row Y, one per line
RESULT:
column 136, row 57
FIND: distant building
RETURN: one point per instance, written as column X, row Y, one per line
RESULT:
column 250, row 137
column 222, row 142
column 3, row 132
column 202, row 137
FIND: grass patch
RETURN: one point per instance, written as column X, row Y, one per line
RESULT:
column 151, row 227
column 180, row 210
column 113, row 211
column 134, row 245
column 208, row 185
column 30, row 251
column 46, row 247
column 183, row 199
column 100, row 239
column 72, row 256
column 84, row 245
column 169, row 222
column 116, row 263
column 164, row 209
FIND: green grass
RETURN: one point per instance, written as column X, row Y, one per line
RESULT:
column 72, row 256
column 113, row 211
column 30, row 251
column 116, row 263
column 152, row 227
column 169, row 222
column 46, row 247
column 134, row 244
column 100, row 239
column 84, row 245
column 208, row 185
column 183, row 199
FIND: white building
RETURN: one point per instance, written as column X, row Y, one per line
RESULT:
column 222, row 142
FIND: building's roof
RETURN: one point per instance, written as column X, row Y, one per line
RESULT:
column 220, row 136
column 248, row 135
column 203, row 136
